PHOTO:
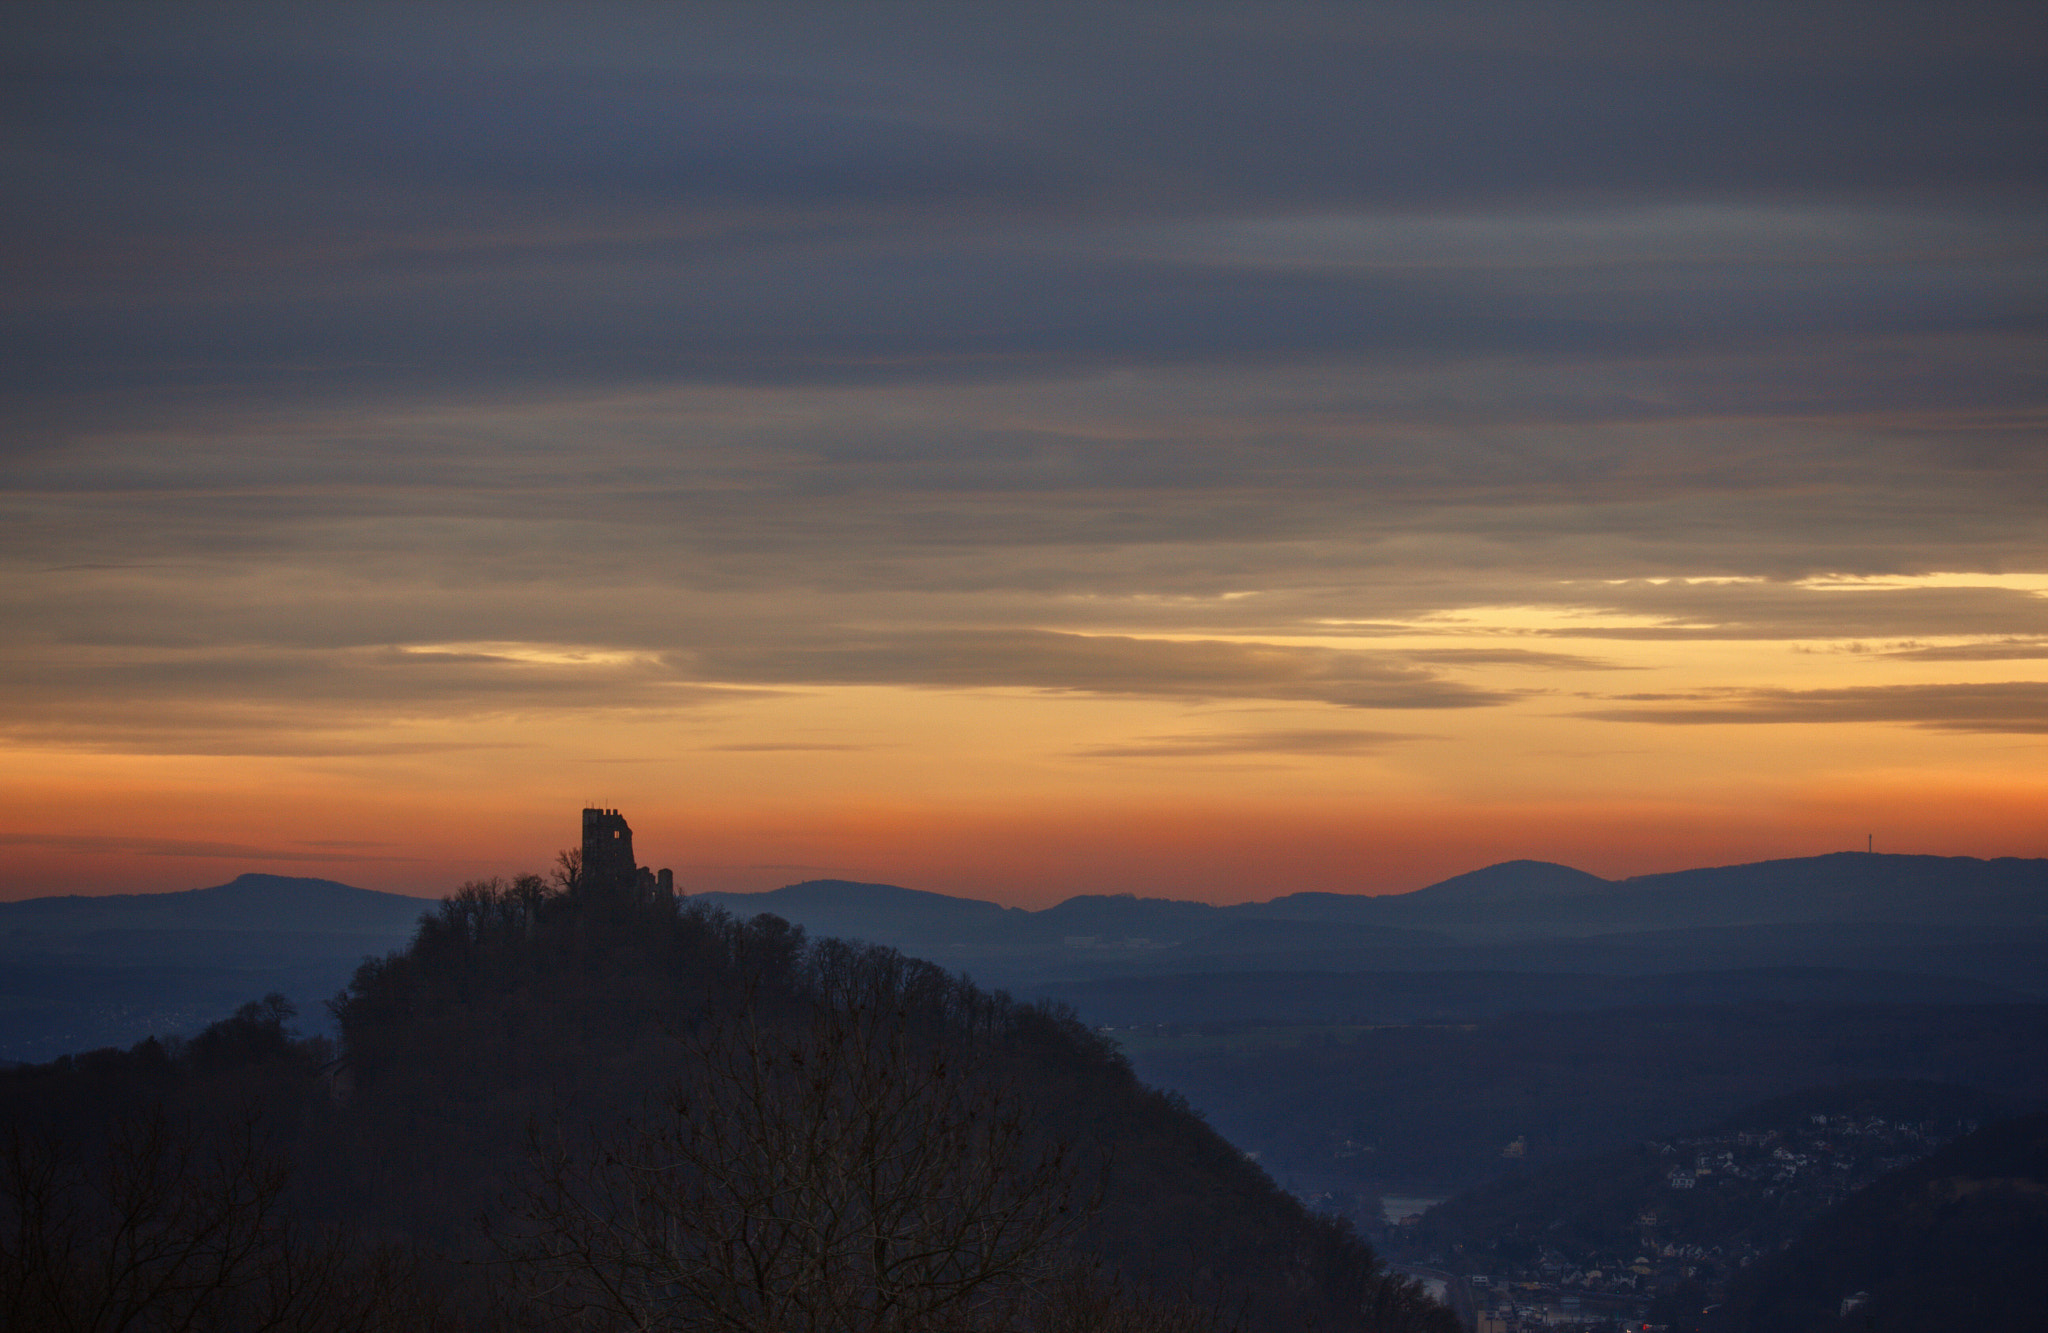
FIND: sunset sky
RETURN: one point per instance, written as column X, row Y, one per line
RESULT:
column 1020, row 450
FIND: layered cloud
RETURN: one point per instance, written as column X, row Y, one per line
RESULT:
column 297, row 204
column 2004, row 706
column 963, row 397
column 1313, row 743
column 1103, row 664
column 90, row 844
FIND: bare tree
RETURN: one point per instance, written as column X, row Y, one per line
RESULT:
column 859, row 1167
column 567, row 874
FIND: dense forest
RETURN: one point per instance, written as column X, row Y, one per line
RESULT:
column 572, row 1106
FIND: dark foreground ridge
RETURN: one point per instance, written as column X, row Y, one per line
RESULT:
column 569, row 1104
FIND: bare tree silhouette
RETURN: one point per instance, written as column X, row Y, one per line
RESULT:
column 861, row 1167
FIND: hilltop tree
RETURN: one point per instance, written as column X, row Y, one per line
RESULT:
column 850, row 1168
column 756, row 1130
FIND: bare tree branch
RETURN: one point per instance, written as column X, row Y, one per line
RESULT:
column 862, row 1169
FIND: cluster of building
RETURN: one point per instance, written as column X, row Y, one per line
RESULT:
column 1716, row 1204
column 1578, row 1299
column 1527, row 1309
column 1830, row 1154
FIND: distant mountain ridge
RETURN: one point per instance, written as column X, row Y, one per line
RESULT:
column 1860, row 915
column 1839, row 886
column 1512, row 882
column 78, row 972
column 248, row 902
column 1513, row 898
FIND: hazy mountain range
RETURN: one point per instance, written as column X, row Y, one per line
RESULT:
column 84, row 971
column 1959, row 917
column 1515, row 900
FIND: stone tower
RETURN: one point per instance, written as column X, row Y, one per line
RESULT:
column 608, row 852
column 608, row 864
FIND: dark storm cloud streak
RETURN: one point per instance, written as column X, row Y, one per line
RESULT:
column 1303, row 742
column 244, row 680
column 884, row 315
column 1519, row 657
column 1093, row 664
column 273, row 737
column 1161, row 110
column 91, row 844
column 780, row 747
column 1765, row 611
column 2011, row 706
column 2005, row 650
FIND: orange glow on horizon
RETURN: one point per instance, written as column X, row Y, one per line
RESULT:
column 1208, row 852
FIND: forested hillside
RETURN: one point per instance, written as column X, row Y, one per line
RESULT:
column 1431, row 1108
column 1954, row 1241
column 566, row 1106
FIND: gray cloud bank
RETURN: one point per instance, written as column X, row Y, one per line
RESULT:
column 993, row 347
column 231, row 201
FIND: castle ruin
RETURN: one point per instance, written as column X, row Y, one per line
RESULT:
column 608, row 863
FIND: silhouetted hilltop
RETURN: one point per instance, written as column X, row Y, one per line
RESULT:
column 530, row 1041
column 1510, row 883
column 1839, row 887
column 513, row 1003
column 882, row 913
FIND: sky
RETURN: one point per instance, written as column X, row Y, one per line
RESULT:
column 1206, row 451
